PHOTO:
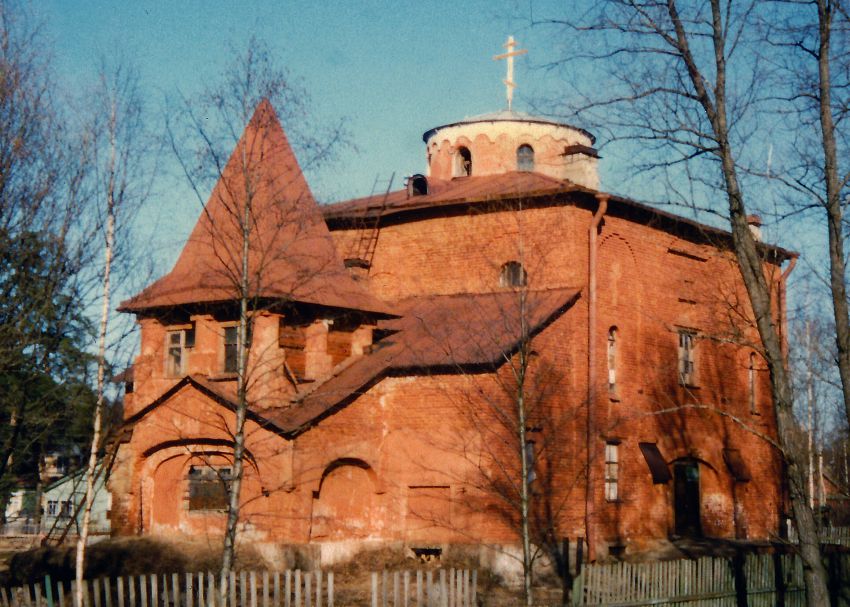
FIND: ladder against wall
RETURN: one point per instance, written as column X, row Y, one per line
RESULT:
column 368, row 228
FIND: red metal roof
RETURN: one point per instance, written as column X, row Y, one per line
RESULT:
column 447, row 333
column 521, row 186
column 508, row 185
column 291, row 253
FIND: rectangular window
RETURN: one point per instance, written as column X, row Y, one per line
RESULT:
column 52, row 507
column 231, row 347
column 209, row 488
column 686, row 358
column 612, row 471
column 612, row 361
column 176, row 343
column 67, row 508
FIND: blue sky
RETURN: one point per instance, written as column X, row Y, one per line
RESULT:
column 390, row 71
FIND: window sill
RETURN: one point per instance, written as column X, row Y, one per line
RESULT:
column 614, row 398
column 619, row 500
column 689, row 386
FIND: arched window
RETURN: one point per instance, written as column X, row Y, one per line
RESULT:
column 612, row 361
column 513, row 275
column 525, row 158
column 463, row 162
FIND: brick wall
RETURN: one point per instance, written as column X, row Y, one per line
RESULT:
column 417, row 458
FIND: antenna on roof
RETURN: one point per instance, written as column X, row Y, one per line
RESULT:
column 510, row 85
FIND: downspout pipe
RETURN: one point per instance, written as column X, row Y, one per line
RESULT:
column 783, row 328
column 783, row 311
column 593, row 232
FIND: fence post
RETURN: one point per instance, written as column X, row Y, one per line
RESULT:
column 406, row 588
column 330, row 589
column 474, row 588
column 374, row 589
column 308, row 591
column 318, row 588
column 384, row 588
column 243, row 589
column 444, row 598
column 297, row 588
column 48, row 590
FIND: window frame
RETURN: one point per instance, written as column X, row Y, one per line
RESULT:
column 218, row 476
column 185, row 342
column 611, row 361
column 463, row 162
column 612, row 471
column 686, row 357
column 525, row 158
column 752, row 383
column 512, row 275
column 224, row 358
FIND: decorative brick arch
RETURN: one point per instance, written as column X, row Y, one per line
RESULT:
column 348, row 461
column 344, row 502
column 162, row 483
column 615, row 238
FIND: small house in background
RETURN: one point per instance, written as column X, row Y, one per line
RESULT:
column 62, row 505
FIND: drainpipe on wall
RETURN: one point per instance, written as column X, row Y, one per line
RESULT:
column 783, row 317
column 591, row 372
column 783, row 328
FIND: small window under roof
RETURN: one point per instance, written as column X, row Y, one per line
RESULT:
column 463, row 162
column 525, row 158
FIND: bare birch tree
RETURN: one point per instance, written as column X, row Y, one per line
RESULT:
column 115, row 136
column 684, row 86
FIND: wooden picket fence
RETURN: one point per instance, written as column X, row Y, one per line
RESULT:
column 245, row 589
column 704, row 582
column 440, row 588
column 836, row 536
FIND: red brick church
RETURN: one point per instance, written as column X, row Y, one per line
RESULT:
column 393, row 338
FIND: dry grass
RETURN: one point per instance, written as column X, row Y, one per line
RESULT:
column 119, row 557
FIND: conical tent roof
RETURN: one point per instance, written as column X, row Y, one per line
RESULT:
column 290, row 251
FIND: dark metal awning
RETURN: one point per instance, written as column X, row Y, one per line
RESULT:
column 736, row 465
column 655, row 461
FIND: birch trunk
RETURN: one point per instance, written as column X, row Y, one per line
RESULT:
column 109, row 237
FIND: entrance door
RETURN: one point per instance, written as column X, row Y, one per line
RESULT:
column 686, row 498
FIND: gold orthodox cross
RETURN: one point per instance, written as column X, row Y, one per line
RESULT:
column 510, row 85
